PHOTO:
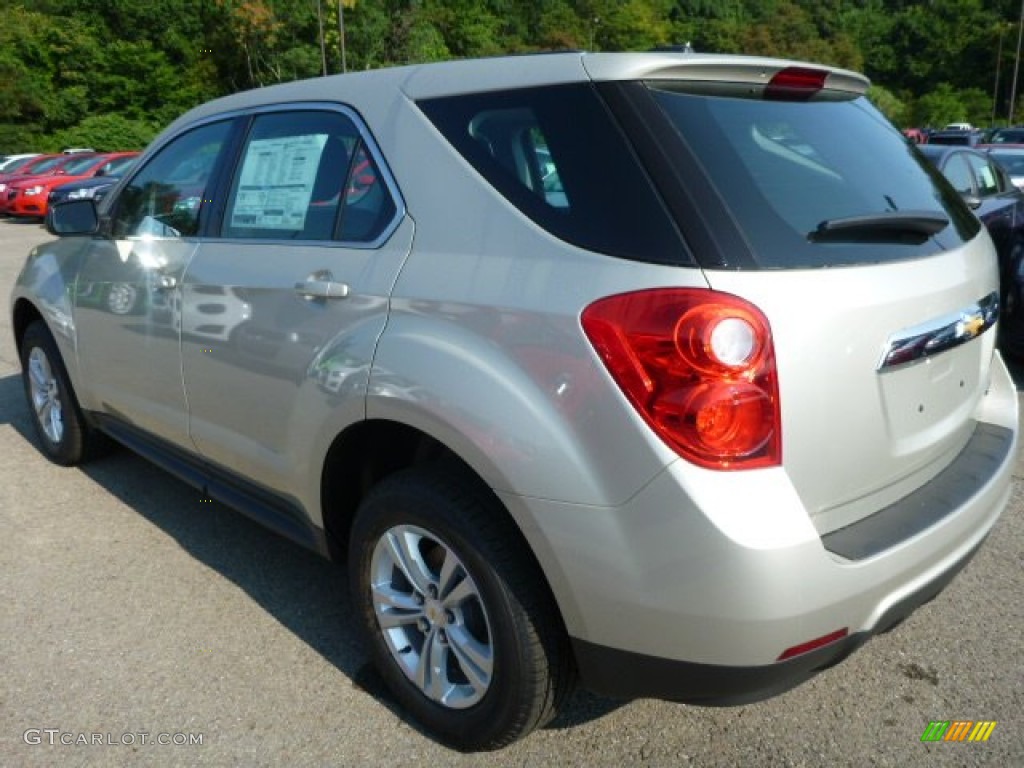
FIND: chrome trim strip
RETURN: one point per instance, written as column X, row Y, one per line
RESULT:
column 945, row 333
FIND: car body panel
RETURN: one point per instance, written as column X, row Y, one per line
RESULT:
column 124, row 315
column 899, row 426
column 310, row 357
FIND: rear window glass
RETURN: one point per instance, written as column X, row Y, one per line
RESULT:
column 559, row 157
column 785, row 167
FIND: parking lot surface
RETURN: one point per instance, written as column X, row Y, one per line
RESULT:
column 143, row 625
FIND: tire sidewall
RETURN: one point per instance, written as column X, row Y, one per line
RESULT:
column 68, row 450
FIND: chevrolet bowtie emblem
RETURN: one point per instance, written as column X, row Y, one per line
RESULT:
column 941, row 334
column 970, row 326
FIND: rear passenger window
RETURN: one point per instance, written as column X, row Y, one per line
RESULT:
column 558, row 156
column 307, row 176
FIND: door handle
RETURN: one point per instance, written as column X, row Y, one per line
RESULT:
column 322, row 289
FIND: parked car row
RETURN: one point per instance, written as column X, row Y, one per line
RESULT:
column 29, row 184
column 965, row 134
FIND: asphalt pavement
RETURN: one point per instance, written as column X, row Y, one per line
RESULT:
column 142, row 625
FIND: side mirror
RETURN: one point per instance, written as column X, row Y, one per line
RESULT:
column 973, row 201
column 73, row 217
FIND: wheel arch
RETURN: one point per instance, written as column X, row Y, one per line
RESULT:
column 23, row 315
column 368, row 452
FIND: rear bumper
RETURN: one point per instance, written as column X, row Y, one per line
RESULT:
column 697, row 586
column 622, row 674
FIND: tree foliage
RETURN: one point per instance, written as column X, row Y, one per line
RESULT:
column 121, row 69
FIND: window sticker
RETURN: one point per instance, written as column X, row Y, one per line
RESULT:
column 276, row 184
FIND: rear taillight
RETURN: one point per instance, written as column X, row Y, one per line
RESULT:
column 699, row 366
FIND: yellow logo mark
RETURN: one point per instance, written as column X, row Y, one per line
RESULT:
column 971, row 326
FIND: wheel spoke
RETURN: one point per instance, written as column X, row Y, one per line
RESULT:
column 475, row 658
column 451, row 568
column 56, row 430
column 39, row 372
column 460, row 593
column 430, row 666
column 406, row 557
column 394, row 608
column 389, row 597
column 394, row 619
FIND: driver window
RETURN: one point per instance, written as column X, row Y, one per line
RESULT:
column 165, row 198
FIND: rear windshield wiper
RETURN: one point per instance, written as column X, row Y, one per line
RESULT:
column 910, row 227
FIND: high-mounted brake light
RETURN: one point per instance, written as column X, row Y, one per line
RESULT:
column 795, row 84
column 699, row 367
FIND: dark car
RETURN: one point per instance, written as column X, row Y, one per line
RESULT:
column 961, row 138
column 990, row 192
column 95, row 187
column 1013, row 135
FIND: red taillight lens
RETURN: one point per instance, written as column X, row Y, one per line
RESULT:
column 795, row 84
column 813, row 645
column 699, row 366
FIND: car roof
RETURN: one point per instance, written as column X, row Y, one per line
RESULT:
column 939, row 151
column 422, row 81
column 1009, row 148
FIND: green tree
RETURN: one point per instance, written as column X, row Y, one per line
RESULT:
column 946, row 104
column 105, row 133
column 889, row 105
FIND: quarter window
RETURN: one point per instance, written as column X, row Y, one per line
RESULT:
column 559, row 157
column 165, row 198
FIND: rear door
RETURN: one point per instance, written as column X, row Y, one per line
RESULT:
column 281, row 312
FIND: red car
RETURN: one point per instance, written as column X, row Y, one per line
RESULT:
column 37, row 166
column 27, row 196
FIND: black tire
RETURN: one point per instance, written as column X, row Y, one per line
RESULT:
column 509, row 610
column 65, row 437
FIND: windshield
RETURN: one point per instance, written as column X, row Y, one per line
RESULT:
column 786, row 168
column 75, row 167
column 46, row 166
column 118, row 166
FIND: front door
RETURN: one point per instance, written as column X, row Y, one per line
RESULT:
column 130, row 281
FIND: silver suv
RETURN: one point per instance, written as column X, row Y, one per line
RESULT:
column 669, row 372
